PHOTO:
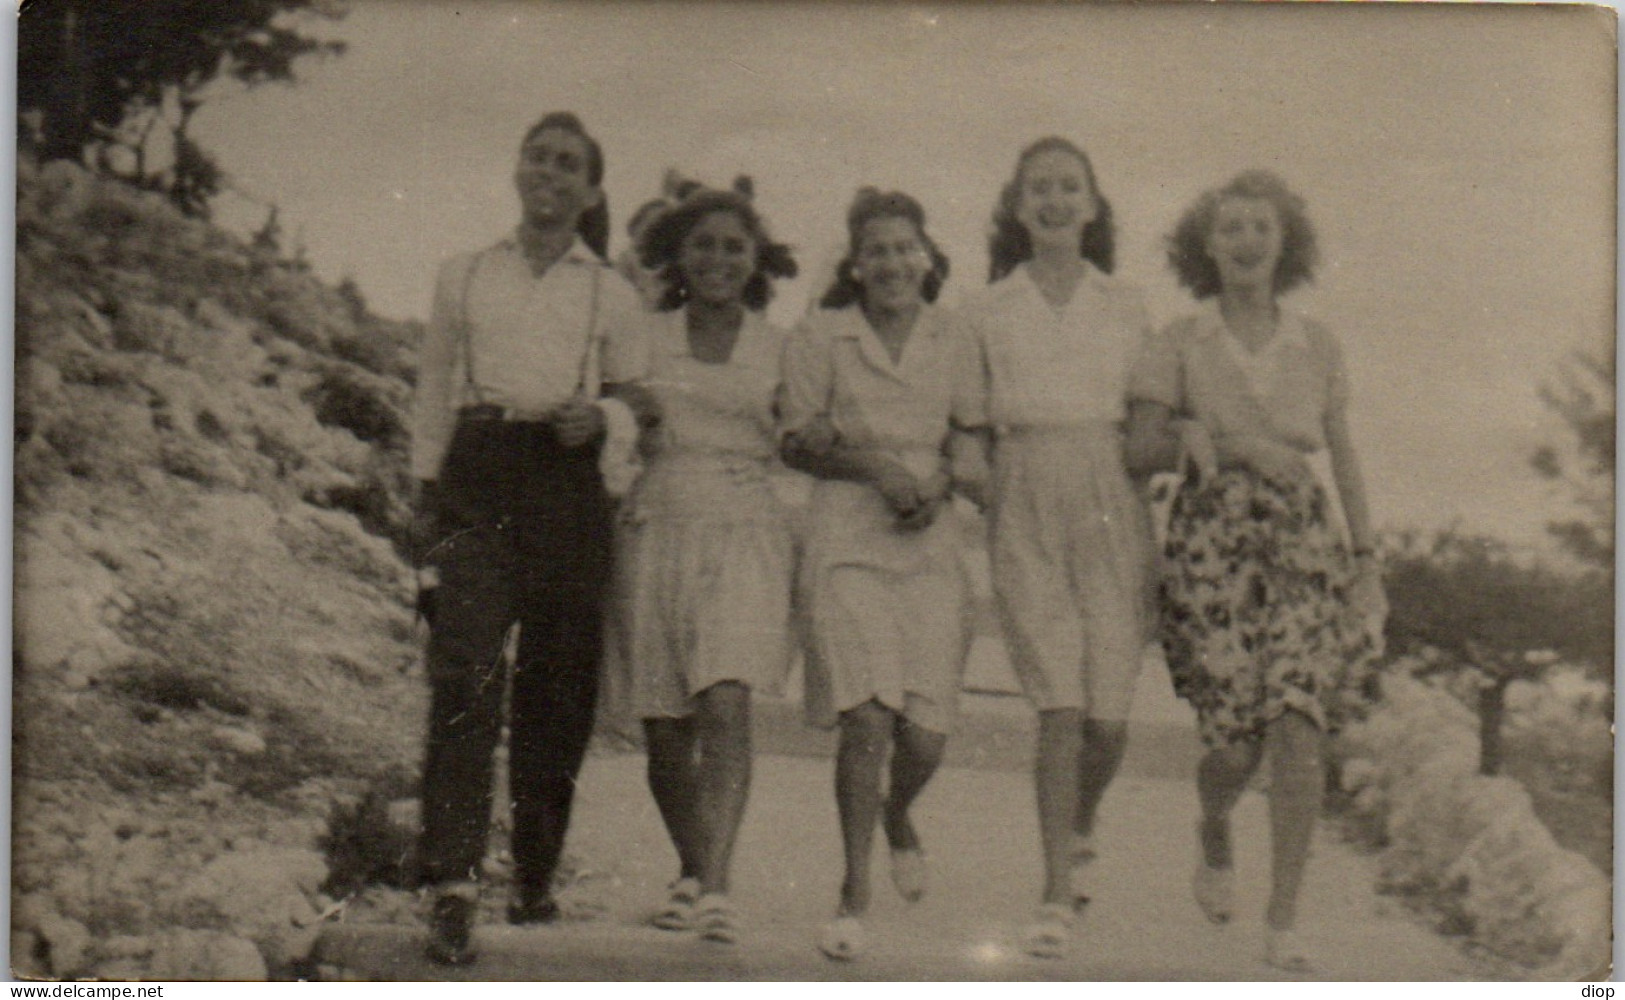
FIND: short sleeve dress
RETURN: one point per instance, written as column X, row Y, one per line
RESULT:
column 1256, row 575
column 704, row 560
column 1070, row 543
column 888, row 610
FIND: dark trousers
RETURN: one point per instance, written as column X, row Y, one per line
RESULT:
column 525, row 529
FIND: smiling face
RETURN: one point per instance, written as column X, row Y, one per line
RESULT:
column 717, row 258
column 1245, row 243
column 891, row 263
column 1055, row 199
column 554, row 180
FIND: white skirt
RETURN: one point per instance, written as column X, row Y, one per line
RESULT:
column 1071, row 556
column 889, row 611
column 703, row 575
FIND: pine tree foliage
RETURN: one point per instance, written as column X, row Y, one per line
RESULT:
column 1584, row 398
column 100, row 76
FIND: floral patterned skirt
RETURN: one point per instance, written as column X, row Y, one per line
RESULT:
column 1255, row 616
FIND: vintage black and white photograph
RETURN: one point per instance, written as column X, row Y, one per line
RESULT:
column 516, row 490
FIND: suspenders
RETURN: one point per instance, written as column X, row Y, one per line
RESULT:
column 466, row 331
column 590, row 375
column 591, row 381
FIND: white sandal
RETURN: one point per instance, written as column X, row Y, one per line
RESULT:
column 1050, row 932
column 1215, row 890
column 1283, row 949
column 678, row 913
column 908, row 873
column 843, row 939
column 716, row 920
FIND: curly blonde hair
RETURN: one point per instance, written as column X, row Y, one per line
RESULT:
column 1187, row 244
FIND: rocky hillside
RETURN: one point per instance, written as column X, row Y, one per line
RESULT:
column 215, row 648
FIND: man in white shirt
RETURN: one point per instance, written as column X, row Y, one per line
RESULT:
column 514, row 516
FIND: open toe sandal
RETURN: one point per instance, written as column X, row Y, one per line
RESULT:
column 716, row 920
column 678, row 912
column 1050, row 932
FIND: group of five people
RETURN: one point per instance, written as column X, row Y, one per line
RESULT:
column 1047, row 400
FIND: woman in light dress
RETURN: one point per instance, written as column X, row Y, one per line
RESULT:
column 705, row 567
column 1267, row 608
column 1070, row 543
column 875, row 382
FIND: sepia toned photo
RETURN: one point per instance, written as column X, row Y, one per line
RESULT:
column 539, row 490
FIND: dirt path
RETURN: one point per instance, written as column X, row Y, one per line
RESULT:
column 981, row 835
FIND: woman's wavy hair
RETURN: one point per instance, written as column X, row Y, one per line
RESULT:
column 1010, row 244
column 662, row 244
column 674, row 187
column 593, row 226
column 868, row 205
column 1187, row 244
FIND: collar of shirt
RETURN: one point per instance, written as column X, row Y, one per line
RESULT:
column 578, row 253
column 1093, row 282
column 853, row 325
column 754, row 339
column 1260, row 370
column 1289, row 329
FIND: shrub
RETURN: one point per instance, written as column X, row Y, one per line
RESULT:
column 1496, row 618
column 175, row 688
column 341, row 399
column 369, row 843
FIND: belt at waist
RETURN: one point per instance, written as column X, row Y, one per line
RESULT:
column 1078, row 428
column 504, row 414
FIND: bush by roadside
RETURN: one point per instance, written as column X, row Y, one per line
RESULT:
column 1470, row 848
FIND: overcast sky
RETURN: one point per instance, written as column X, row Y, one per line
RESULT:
column 1458, row 161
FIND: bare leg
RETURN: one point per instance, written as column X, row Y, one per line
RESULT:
column 865, row 736
column 916, row 753
column 1103, row 744
column 674, row 780
column 1060, row 740
column 722, row 728
column 1297, row 782
column 1221, row 777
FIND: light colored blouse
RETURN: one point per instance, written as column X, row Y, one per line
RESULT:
column 724, row 408
column 1197, row 367
column 716, row 444
column 527, row 336
column 1058, row 367
column 835, row 365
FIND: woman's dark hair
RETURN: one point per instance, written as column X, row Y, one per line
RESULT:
column 645, row 214
column 868, row 205
column 1010, row 243
column 662, row 244
column 593, row 226
column 1187, row 244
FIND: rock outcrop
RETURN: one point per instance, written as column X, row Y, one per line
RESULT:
column 214, row 635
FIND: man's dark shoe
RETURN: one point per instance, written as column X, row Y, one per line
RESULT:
column 533, row 910
column 451, row 926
